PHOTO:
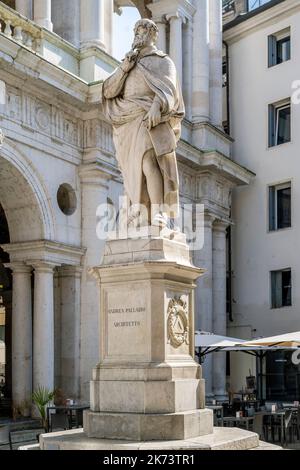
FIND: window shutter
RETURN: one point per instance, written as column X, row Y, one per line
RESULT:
column 272, row 215
column 271, row 125
column 271, row 51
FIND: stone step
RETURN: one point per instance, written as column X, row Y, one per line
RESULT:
column 221, row 439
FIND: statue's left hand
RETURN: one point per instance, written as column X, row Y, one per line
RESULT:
column 153, row 117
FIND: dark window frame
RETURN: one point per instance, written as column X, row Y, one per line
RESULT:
column 274, row 192
column 274, row 41
column 275, row 119
column 281, row 294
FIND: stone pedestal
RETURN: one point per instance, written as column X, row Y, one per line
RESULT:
column 147, row 392
column 147, row 385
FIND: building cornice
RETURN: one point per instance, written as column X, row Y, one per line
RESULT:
column 46, row 251
column 165, row 8
column 233, row 32
column 214, row 162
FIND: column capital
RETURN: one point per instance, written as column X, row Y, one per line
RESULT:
column 221, row 225
column 18, row 267
column 177, row 15
column 208, row 219
column 42, row 266
column 93, row 174
column 160, row 7
column 70, row 271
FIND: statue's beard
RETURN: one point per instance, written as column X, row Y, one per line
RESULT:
column 139, row 42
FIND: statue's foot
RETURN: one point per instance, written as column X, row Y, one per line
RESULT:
column 133, row 220
column 160, row 220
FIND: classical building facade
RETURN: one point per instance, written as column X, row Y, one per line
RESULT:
column 57, row 164
column 263, row 48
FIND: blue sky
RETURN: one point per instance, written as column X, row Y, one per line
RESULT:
column 123, row 31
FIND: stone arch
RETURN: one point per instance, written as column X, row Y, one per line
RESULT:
column 23, row 197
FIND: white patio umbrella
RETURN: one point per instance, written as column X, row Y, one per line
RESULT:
column 287, row 340
column 203, row 339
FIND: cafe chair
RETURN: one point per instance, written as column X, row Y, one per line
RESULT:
column 59, row 420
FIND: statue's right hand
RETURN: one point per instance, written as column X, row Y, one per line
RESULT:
column 129, row 61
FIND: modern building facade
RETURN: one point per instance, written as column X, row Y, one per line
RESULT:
column 57, row 164
column 263, row 49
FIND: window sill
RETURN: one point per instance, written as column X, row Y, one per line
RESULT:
column 270, row 67
column 272, row 147
column 279, row 230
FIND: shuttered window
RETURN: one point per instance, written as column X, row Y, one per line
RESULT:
column 281, row 288
column 279, row 47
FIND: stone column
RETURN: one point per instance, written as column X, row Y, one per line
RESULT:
column 219, row 305
column 94, row 192
column 203, row 296
column 92, row 23
column 215, row 57
column 175, row 46
column 108, row 25
column 162, row 33
column 21, row 334
column 66, row 20
column 200, row 108
column 42, row 13
column 70, row 284
column 43, row 326
column 188, row 67
column 24, row 7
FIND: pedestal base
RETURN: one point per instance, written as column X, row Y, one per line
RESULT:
column 220, row 439
column 148, row 427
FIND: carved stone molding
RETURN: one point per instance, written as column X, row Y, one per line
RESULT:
column 178, row 322
column 2, row 137
column 43, row 117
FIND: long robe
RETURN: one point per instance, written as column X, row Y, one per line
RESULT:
column 126, row 100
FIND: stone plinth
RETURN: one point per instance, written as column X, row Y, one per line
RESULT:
column 221, row 439
column 147, row 385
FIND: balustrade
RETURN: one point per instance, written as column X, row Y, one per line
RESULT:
column 22, row 30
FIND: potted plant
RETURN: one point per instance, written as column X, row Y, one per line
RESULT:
column 41, row 397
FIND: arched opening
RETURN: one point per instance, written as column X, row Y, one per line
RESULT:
column 5, row 321
column 24, row 216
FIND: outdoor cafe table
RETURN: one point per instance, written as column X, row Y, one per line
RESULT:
column 246, row 420
column 72, row 410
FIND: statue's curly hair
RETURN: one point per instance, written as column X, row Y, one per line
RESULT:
column 151, row 26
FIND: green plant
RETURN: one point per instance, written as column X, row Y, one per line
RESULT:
column 41, row 397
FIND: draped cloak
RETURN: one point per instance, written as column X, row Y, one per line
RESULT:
column 126, row 100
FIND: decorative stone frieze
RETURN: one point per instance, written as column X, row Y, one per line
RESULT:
column 43, row 117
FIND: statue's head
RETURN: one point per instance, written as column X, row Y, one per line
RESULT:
column 145, row 34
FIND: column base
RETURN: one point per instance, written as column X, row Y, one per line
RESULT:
column 148, row 427
column 45, row 24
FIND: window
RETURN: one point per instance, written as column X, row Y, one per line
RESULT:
column 279, row 46
column 280, row 206
column 281, row 288
column 253, row 4
column 279, row 123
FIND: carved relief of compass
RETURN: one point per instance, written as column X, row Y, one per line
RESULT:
column 178, row 322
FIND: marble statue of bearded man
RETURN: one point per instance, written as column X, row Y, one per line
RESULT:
column 142, row 100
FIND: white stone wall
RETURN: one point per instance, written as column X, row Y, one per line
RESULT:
column 55, row 133
column 256, row 251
